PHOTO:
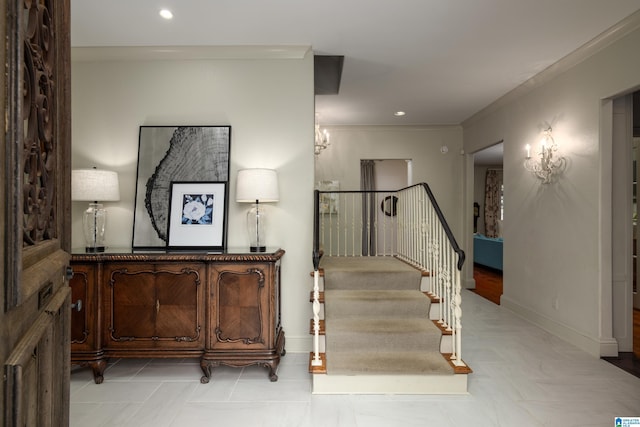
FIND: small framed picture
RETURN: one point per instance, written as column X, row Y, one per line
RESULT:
column 197, row 215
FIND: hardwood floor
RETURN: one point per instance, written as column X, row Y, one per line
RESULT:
column 488, row 283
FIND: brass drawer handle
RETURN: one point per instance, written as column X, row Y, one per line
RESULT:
column 157, row 306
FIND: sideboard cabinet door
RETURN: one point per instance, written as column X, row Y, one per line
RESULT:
column 241, row 314
column 244, row 317
column 86, row 346
column 154, row 306
column 83, row 285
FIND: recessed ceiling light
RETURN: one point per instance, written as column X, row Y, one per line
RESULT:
column 399, row 113
column 166, row 14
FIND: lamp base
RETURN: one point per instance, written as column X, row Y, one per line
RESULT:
column 258, row 248
column 93, row 223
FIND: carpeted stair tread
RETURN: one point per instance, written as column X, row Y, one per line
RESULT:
column 372, row 334
column 383, row 304
column 387, row 363
column 376, row 272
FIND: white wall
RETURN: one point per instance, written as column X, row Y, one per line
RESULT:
column 557, row 237
column 268, row 103
column 443, row 172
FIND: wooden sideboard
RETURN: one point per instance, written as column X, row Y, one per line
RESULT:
column 221, row 307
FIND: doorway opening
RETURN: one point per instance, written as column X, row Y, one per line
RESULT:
column 488, row 214
column 385, row 175
column 625, row 308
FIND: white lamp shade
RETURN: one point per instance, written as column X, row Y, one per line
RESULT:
column 257, row 184
column 94, row 185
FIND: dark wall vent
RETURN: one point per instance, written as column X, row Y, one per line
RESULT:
column 327, row 74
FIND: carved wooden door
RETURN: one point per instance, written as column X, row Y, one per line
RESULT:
column 35, row 216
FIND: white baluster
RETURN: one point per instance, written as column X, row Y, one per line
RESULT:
column 316, row 361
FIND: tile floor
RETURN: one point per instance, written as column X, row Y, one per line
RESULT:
column 522, row 376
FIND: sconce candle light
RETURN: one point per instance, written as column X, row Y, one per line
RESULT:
column 547, row 164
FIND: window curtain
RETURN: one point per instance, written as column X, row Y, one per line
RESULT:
column 492, row 190
column 367, row 183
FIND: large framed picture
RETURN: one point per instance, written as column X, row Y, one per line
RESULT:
column 173, row 154
column 197, row 215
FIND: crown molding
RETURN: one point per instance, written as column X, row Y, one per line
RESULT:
column 185, row 53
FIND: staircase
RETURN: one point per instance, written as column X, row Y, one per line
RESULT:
column 377, row 333
column 387, row 314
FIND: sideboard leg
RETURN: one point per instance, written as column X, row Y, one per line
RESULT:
column 206, row 369
column 273, row 368
column 98, row 368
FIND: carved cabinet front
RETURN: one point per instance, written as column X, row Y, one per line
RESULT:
column 222, row 308
column 154, row 305
column 242, row 302
column 245, row 317
column 83, row 329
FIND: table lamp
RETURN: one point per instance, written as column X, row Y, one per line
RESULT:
column 257, row 186
column 94, row 185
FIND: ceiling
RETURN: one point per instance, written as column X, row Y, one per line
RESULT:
column 440, row 61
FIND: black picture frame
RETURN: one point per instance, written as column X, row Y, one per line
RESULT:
column 169, row 154
column 197, row 215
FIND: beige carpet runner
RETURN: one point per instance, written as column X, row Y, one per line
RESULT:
column 377, row 319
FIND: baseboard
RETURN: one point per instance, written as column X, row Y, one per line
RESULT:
column 469, row 283
column 595, row 347
column 298, row 344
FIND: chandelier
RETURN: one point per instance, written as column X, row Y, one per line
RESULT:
column 321, row 138
column 547, row 164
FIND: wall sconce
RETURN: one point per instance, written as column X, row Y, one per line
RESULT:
column 257, row 186
column 321, row 141
column 546, row 164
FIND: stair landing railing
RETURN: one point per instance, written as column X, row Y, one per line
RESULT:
column 407, row 224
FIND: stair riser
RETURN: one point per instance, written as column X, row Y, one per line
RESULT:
column 373, row 342
column 379, row 309
column 425, row 284
column 371, row 281
column 446, row 344
column 434, row 311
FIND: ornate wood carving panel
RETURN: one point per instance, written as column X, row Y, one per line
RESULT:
column 40, row 142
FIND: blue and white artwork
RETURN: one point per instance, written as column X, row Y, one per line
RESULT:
column 197, row 209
